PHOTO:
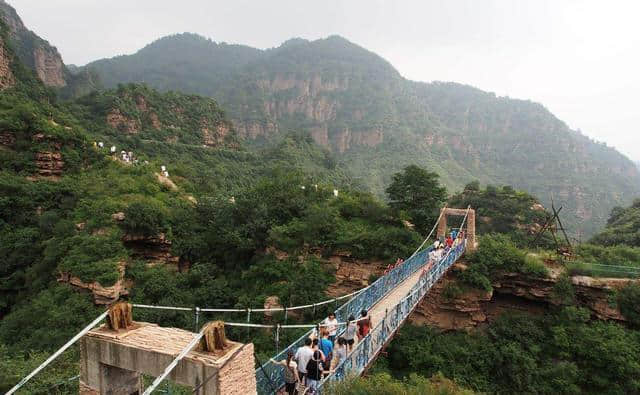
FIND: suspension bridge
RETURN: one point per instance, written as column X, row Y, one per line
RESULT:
column 114, row 356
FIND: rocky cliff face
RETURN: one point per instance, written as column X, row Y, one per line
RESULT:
column 7, row 79
column 352, row 101
column 33, row 51
column 352, row 274
column 49, row 66
column 513, row 291
column 213, row 135
column 153, row 249
column 49, row 163
column 317, row 100
column 101, row 295
column 253, row 129
column 118, row 121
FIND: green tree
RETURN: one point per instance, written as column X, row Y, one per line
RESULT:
column 629, row 303
column 417, row 192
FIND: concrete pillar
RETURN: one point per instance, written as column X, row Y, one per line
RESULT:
column 116, row 381
column 442, row 225
column 111, row 362
column 471, row 231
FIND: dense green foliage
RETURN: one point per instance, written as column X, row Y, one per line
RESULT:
column 497, row 254
column 384, row 384
column 223, row 213
column 505, row 210
column 628, row 299
column 600, row 261
column 151, row 115
column 417, row 193
column 457, row 131
column 623, row 227
column 561, row 353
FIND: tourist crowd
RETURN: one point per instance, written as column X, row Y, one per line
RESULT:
column 323, row 351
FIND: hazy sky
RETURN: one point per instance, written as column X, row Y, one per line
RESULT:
column 581, row 59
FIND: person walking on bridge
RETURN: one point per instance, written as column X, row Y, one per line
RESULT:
column 364, row 324
column 302, row 357
column 291, row 376
column 314, row 372
column 326, row 346
column 350, row 332
column 449, row 241
column 331, row 325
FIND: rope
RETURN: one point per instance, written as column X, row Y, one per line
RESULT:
column 174, row 363
column 146, row 306
column 273, row 388
column 263, row 310
column 57, row 353
column 430, row 233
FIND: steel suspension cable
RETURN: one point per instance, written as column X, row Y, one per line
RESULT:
column 442, row 210
column 174, row 363
column 57, row 353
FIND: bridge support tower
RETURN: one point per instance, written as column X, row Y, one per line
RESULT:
column 470, row 225
column 112, row 360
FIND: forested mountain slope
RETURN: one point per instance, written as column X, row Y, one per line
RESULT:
column 356, row 104
column 82, row 226
column 37, row 54
column 623, row 227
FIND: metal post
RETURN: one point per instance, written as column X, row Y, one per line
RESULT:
column 248, row 321
column 197, row 314
column 277, row 338
column 285, row 322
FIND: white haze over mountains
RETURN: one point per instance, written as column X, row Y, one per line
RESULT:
column 577, row 57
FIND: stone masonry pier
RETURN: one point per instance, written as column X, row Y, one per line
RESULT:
column 112, row 362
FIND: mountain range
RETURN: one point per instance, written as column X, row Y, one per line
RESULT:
column 357, row 105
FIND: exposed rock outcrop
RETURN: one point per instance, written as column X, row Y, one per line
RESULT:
column 214, row 136
column 352, row 274
column 254, row 129
column 49, row 164
column 101, row 295
column 347, row 139
column 35, row 52
column 118, row 121
column 512, row 291
column 7, row 139
column 7, row 79
column 271, row 302
column 153, row 249
column 49, row 66
column 311, row 86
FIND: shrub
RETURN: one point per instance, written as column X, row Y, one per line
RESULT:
column 146, row 217
column 563, row 292
column 384, row 384
column 628, row 299
column 533, row 266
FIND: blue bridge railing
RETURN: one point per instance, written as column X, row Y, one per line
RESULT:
column 368, row 348
column 270, row 375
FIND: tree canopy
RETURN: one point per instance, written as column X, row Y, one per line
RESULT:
column 418, row 193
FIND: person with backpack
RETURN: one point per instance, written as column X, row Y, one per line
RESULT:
column 291, row 376
column 326, row 346
column 314, row 372
column 302, row 357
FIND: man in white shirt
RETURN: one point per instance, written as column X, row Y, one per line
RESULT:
column 302, row 357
